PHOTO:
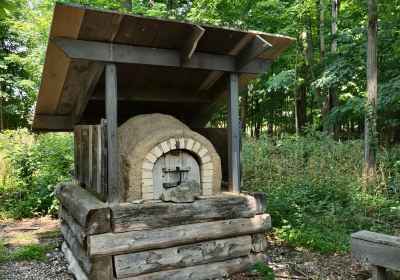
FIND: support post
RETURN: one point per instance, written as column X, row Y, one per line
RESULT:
column 112, row 135
column 378, row 273
column 233, row 134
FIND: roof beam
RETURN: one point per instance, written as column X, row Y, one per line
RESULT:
column 191, row 44
column 251, row 51
column 52, row 122
column 178, row 95
column 115, row 53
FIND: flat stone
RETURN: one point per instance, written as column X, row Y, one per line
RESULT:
column 185, row 192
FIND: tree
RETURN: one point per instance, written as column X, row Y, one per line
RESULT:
column 372, row 89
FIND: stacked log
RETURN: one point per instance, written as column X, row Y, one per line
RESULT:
column 205, row 239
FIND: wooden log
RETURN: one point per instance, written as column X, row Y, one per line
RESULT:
column 129, row 217
column 79, row 253
column 204, row 271
column 92, row 214
column 259, row 242
column 376, row 249
column 73, row 265
column 134, row 241
column 76, row 229
column 260, row 201
column 181, row 256
column 94, row 268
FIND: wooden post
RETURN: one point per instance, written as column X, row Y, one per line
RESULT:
column 233, row 135
column 378, row 273
column 112, row 127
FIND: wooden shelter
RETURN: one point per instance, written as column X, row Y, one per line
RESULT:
column 101, row 69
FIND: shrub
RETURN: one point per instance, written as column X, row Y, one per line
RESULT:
column 33, row 164
column 315, row 190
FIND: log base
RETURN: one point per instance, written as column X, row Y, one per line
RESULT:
column 209, row 238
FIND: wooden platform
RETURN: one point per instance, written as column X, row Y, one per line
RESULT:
column 206, row 239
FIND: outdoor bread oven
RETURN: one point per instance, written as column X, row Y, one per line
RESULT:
column 156, row 193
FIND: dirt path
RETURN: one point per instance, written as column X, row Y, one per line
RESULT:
column 287, row 262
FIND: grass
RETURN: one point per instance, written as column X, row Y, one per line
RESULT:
column 12, row 250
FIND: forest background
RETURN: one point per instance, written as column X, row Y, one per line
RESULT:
column 303, row 122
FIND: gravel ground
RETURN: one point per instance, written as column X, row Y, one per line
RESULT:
column 54, row 268
column 287, row 262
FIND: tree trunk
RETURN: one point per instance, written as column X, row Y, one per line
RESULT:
column 257, row 126
column 370, row 132
column 243, row 113
column 127, row 4
column 333, row 94
column 1, row 108
column 310, row 59
column 301, row 107
column 321, row 36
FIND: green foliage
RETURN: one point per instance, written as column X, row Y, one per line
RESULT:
column 32, row 165
column 315, row 190
column 266, row 272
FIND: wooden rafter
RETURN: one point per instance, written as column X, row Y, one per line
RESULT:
column 251, row 51
column 191, row 44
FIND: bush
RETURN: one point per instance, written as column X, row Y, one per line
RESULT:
column 315, row 189
column 31, row 167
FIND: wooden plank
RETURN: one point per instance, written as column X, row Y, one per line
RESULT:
column 113, row 195
column 76, row 228
column 104, row 158
column 115, row 53
column 85, row 156
column 377, row 238
column 252, row 50
column 181, row 256
column 156, row 94
column 90, row 156
column 73, row 265
column 375, row 253
column 233, row 135
column 77, row 141
column 259, row 242
column 191, row 44
column 134, row 241
column 53, row 122
column 128, row 216
column 92, row 214
column 204, row 271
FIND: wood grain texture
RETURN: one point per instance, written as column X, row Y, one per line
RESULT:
column 375, row 253
column 377, row 238
column 113, row 195
column 128, row 216
column 204, row 271
column 182, row 256
column 76, row 248
column 76, row 228
column 73, row 265
column 259, row 242
column 94, row 268
column 116, row 53
column 135, row 241
column 92, row 214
